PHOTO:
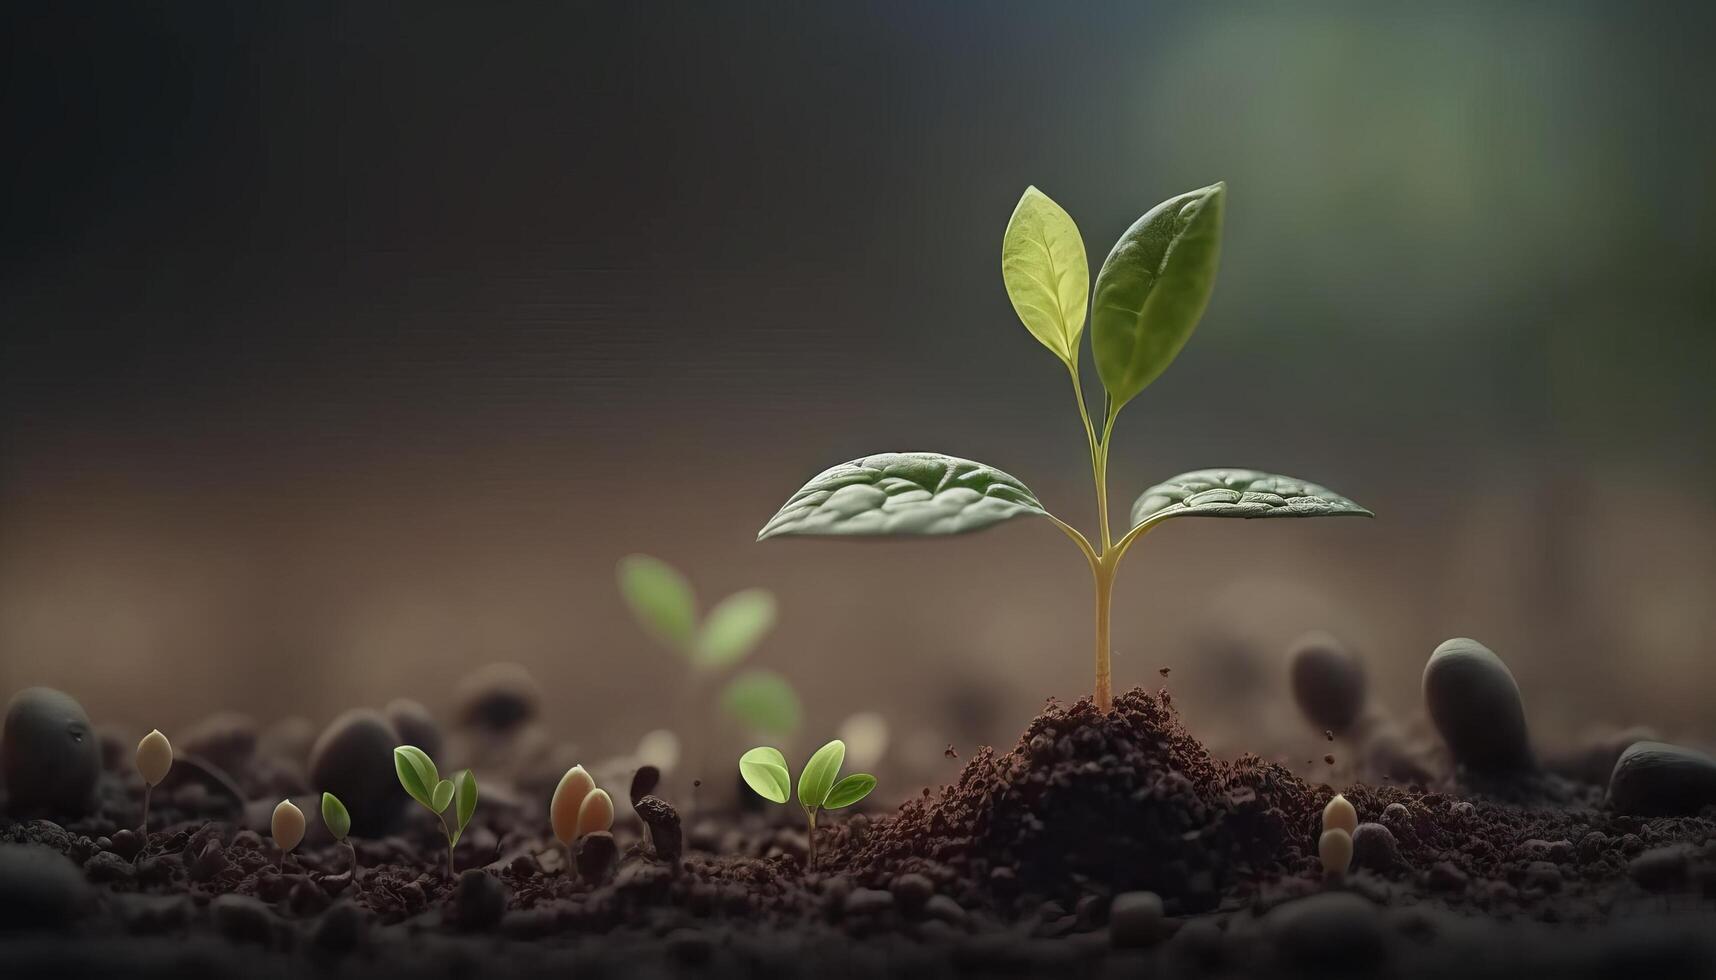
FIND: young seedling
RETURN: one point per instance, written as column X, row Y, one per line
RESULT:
column 154, row 760
column 339, row 824
column 456, row 796
column 765, row 771
column 578, row 808
column 1150, row 294
column 666, row 607
column 287, row 828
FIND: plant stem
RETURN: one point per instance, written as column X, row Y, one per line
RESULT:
column 1103, row 573
column 810, row 817
column 148, row 790
column 351, row 852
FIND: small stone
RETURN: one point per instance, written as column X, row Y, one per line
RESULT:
column 911, row 891
column 1660, row 869
column 49, row 754
column 664, row 829
column 353, row 759
column 868, row 901
column 479, row 900
column 39, row 888
column 242, row 919
column 1332, row 929
column 227, row 739
column 1136, row 920
column 340, row 930
column 943, row 908
column 498, row 698
column 414, row 724
column 596, row 854
column 126, row 843
column 1475, row 704
column 1375, row 848
column 108, row 867
column 1328, row 682
column 1656, row 779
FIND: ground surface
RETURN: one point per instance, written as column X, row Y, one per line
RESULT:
column 1031, row 863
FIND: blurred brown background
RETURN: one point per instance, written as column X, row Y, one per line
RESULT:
column 347, row 348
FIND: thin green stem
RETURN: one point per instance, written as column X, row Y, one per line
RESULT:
column 810, row 818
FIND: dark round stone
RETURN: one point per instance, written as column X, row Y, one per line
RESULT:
column 39, row 888
column 498, row 698
column 414, row 724
column 353, row 759
column 49, row 754
column 912, row 891
column 1328, row 930
column 1136, row 919
column 1328, row 682
column 479, row 900
column 595, row 856
column 1476, row 707
column 1375, row 848
column 1656, row 779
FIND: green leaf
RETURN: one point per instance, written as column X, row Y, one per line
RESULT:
column 416, row 773
column 734, row 627
column 442, row 796
column 765, row 771
column 466, row 784
column 1153, row 288
column 660, row 598
column 849, row 790
column 763, row 701
column 817, row 779
column 1047, row 275
column 334, row 815
column 1240, row 493
column 903, row 493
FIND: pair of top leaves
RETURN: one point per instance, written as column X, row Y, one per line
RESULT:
column 765, row 770
column 417, row 774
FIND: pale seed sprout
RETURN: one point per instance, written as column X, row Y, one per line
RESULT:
column 1335, row 849
column 154, row 760
column 1340, row 815
column 578, row 809
column 287, row 828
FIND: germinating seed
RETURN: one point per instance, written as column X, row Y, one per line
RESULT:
column 154, row 757
column 1340, row 815
column 1336, row 850
column 596, row 813
column 568, row 798
column 288, row 825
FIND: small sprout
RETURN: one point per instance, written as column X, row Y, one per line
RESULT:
column 765, row 771
column 287, row 828
column 1340, row 815
column 154, row 759
column 578, row 808
column 456, row 796
column 1335, row 848
column 596, row 813
column 339, row 823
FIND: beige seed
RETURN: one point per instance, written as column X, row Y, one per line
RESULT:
column 1336, row 850
column 154, row 757
column 568, row 797
column 288, row 825
column 1340, row 815
column 597, row 813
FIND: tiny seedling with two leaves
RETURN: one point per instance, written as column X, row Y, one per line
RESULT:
column 456, row 796
column 1150, row 293
column 765, row 771
column 339, row 823
column 666, row 607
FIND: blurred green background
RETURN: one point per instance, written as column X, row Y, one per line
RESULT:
column 347, row 348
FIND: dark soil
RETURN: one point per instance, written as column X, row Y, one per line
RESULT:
column 1016, row 868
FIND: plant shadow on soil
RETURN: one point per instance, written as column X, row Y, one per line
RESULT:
column 1030, row 863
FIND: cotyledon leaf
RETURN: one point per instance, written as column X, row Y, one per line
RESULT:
column 1046, row 273
column 1240, row 493
column 903, row 493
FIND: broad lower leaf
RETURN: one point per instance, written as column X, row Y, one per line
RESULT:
column 660, row 598
column 817, row 779
column 1047, row 275
column 734, row 627
column 465, row 784
column 1240, row 493
column 765, row 771
column 334, row 815
column 1153, row 288
column 763, row 702
column 442, row 795
column 416, row 773
column 849, row 790
column 903, row 493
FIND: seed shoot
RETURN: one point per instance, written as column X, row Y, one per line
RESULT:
column 154, row 760
column 1335, row 848
column 1340, row 815
column 287, row 828
column 765, row 771
column 339, row 823
column 443, row 797
column 578, row 808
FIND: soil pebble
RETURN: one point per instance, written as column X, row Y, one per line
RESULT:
column 912, row 891
column 353, row 759
column 49, row 754
column 664, row 828
column 1375, row 848
column 414, row 724
column 227, row 739
column 596, row 855
column 1334, row 930
column 479, row 900
column 1476, row 708
column 39, row 888
column 1328, row 682
column 1136, row 920
column 1656, row 779
column 108, row 867
column 498, row 698
column 243, row 919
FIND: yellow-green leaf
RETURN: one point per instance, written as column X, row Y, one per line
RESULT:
column 765, row 771
column 1047, row 275
column 734, row 627
column 817, row 779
